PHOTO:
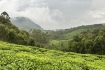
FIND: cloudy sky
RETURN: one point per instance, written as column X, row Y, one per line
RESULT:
column 57, row 14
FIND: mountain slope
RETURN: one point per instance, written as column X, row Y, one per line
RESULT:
column 69, row 33
column 19, row 57
column 25, row 23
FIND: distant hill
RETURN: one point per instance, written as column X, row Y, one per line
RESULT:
column 66, row 34
column 25, row 23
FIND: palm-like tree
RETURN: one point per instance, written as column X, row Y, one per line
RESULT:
column 5, row 14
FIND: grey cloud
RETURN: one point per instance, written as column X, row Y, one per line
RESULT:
column 55, row 14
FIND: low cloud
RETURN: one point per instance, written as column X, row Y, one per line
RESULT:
column 57, row 14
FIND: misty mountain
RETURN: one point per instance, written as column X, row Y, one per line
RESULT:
column 25, row 23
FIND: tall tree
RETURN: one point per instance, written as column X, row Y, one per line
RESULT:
column 5, row 14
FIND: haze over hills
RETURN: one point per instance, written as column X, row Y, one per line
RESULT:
column 25, row 23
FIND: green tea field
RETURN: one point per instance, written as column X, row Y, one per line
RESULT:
column 20, row 57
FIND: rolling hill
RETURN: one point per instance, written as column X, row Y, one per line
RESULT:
column 20, row 57
column 66, row 34
column 61, row 38
column 24, row 23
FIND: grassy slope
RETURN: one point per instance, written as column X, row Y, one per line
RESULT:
column 56, row 44
column 69, row 33
column 73, row 33
column 67, row 36
column 18, row 57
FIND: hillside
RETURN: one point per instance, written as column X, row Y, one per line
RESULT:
column 25, row 23
column 66, row 34
column 82, row 39
column 20, row 57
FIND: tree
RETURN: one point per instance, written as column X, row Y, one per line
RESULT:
column 99, row 44
column 5, row 15
column 11, row 33
column 77, row 38
column 31, row 41
column 40, row 37
column 88, row 45
column 89, row 42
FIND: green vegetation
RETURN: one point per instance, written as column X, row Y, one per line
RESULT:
column 89, row 42
column 19, row 57
column 70, row 35
column 10, row 33
column 54, row 41
column 82, row 39
column 67, row 34
column 40, row 38
column 61, row 45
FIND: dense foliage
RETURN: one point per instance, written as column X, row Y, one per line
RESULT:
column 82, row 39
column 18, row 57
column 10, row 33
column 39, row 36
column 89, row 42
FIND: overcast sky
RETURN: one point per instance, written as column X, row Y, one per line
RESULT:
column 57, row 14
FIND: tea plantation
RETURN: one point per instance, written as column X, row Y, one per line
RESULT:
column 20, row 57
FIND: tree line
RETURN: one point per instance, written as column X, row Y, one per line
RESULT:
column 89, row 42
